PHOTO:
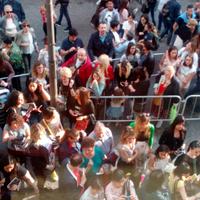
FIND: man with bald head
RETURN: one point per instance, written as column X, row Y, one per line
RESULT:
column 81, row 67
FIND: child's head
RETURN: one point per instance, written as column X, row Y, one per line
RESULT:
column 38, row 70
column 162, row 152
column 131, row 16
column 127, row 136
column 118, row 92
column 49, row 113
column 188, row 61
column 96, row 186
column 16, row 98
column 37, row 132
column 118, row 178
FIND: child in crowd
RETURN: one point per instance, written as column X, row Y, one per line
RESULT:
column 116, row 108
column 120, row 187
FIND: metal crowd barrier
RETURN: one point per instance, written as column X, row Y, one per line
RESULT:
column 191, row 107
column 134, row 105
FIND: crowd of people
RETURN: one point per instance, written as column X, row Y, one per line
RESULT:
column 68, row 143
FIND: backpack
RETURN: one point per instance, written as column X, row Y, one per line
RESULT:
column 165, row 10
column 16, row 57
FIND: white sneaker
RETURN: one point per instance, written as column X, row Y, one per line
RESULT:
column 159, row 124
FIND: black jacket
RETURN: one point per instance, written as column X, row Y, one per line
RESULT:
column 96, row 47
column 63, row 2
column 172, row 89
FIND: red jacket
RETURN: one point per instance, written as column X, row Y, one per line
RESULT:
column 84, row 71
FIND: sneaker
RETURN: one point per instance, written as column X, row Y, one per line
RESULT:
column 54, row 176
column 159, row 124
column 67, row 29
column 58, row 24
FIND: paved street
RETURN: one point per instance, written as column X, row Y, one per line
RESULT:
column 81, row 12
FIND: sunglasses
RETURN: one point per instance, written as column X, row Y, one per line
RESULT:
column 26, row 25
column 9, row 12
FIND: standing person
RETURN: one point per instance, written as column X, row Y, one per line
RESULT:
column 152, row 5
column 9, row 24
column 81, row 67
column 17, row 9
column 6, row 70
column 72, row 178
column 43, row 13
column 26, row 40
column 161, row 3
column 70, row 45
column 100, row 42
column 174, row 12
column 109, row 14
column 11, row 170
column 11, row 52
column 147, row 59
column 103, row 137
column 174, row 135
column 63, row 11
column 80, row 108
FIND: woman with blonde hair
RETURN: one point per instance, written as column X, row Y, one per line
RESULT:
column 96, row 82
column 40, row 150
column 105, row 67
column 126, row 149
column 143, row 129
column 165, row 84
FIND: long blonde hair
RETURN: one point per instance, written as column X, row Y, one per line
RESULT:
column 139, row 122
column 104, row 62
column 37, row 131
column 127, row 132
column 34, row 70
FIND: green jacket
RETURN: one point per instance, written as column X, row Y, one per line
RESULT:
column 152, row 132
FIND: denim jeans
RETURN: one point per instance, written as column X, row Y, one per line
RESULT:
column 64, row 11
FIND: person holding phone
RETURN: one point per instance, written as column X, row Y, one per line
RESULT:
column 13, row 174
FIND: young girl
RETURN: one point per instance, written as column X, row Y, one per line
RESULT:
column 132, row 55
column 116, row 108
column 120, row 187
column 94, row 192
column 96, row 82
column 160, row 160
column 185, row 73
column 40, row 73
column 43, row 13
column 52, row 124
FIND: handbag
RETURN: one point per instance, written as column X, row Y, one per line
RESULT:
column 81, row 125
column 173, row 113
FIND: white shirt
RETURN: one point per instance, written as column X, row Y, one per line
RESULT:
column 106, row 143
column 10, row 29
column 113, row 193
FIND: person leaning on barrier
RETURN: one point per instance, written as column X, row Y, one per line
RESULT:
column 6, row 71
column 165, row 84
column 174, row 136
column 81, row 67
column 11, row 52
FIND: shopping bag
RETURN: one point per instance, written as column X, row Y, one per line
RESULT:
column 173, row 112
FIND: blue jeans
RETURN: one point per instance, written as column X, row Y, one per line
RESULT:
column 64, row 11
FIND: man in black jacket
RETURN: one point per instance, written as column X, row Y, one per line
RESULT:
column 63, row 11
column 100, row 42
